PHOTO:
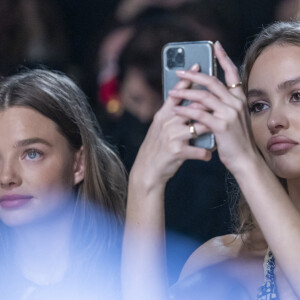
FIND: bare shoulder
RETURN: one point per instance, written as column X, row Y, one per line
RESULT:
column 214, row 251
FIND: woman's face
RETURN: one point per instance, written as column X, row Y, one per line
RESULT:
column 274, row 101
column 37, row 168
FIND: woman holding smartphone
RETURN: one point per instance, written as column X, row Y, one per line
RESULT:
column 62, row 193
column 256, row 126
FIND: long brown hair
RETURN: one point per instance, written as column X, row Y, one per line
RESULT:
column 100, row 197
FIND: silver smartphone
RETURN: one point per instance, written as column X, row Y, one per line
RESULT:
column 182, row 56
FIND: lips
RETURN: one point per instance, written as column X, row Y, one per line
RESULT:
column 280, row 144
column 14, row 200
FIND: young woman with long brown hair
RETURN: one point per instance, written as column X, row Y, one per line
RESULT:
column 62, row 193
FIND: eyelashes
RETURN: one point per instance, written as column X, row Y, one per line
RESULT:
column 295, row 97
column 257, row 107
column 32, row 155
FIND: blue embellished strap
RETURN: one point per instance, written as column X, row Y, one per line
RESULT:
column 269, row 289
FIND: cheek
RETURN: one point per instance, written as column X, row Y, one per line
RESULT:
column 53, row 193
column 51, row 189
column 260, row 135
column 50, row 180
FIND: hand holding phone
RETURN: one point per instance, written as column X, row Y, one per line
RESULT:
column 182, row 56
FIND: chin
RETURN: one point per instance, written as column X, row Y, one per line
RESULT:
column 20, row 217
column 13, row 223
column 284, row 166
column 287, row 173
column 14, row 220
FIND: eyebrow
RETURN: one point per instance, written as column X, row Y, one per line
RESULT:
column 288, row 83
column 27, row 142
column 281, row 86
column 255, row 93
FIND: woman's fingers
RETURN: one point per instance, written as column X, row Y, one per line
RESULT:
column 174, row 130
column 192, row 152
column 178, row 129
column 231, row 72
column 218, row 109
column 213, row 86
column 186, row 133
column 216, row 124
column 181, row 84
column 166, row 146
column 184, row 83
column 206, row 99
column 204, row 117
column 178, row 141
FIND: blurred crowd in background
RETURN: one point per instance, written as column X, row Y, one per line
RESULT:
column 112, row 49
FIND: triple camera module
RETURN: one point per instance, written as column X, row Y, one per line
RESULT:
column 175, row 58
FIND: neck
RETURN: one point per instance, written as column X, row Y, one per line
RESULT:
column 42, row 250
column 255, row 242
column 255, row 237
column 294, row 191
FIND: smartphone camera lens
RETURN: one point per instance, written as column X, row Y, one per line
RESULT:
column 179, row 59
column 175, row 58
column 171, row 52
column 171, row 63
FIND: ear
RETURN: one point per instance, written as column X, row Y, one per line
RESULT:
column 79, row 166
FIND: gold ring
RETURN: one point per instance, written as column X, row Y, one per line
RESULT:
column 234, row 85
column 193, row 131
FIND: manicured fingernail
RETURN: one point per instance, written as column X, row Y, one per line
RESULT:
column 218, row 44
column 195, row 67
column 180, row 72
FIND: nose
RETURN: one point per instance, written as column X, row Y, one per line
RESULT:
column 277, row 120
column 9, row 177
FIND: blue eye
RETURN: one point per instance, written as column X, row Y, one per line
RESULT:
column 257, row 107
column 33, row 154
